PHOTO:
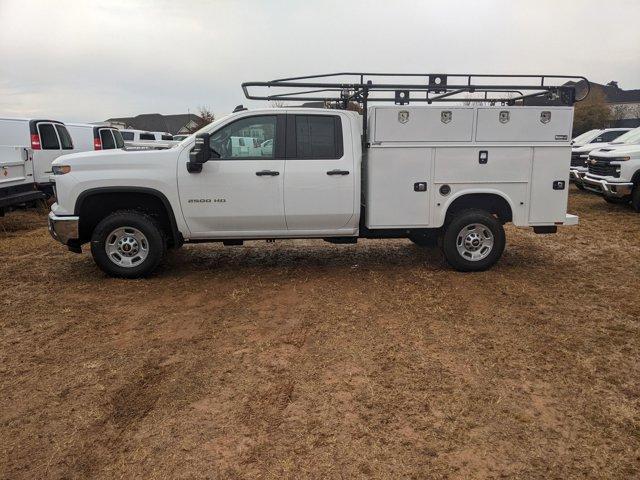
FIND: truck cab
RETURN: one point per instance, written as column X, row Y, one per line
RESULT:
column 457, row 173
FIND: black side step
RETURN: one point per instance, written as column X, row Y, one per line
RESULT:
column 341, row 240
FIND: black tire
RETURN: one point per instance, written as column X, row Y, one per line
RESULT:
column 635, row 198
column 462, row 220
column 617, row 200
column 579, row 186
column 155, row 241
column 426, row 240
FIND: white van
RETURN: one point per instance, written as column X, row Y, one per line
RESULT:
column 47, row 139
column 87, row 136
column 144, row 140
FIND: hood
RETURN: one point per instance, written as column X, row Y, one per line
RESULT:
column 588, row 147
column 616, row 151
column 113, row 158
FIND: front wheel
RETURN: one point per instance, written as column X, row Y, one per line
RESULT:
column 473, row 241
column 128, row 244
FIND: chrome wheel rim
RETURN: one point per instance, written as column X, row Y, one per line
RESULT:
column 474, row 242
column 127, row 247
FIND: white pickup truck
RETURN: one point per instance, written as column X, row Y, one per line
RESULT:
column 585, row 143
column 450, row 172
column 614, row 170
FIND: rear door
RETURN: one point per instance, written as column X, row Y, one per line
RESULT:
column 319, row 180
column 106, row 139
column 54, row 141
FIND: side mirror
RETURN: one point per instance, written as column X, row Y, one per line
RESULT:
column 200, row 154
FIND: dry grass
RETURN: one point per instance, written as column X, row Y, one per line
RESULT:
column 305, row 360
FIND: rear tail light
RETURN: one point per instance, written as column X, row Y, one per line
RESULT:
column 35, row 141
column 97, row 144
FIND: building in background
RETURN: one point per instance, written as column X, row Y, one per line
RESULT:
column 155, row 122
column 623, row 104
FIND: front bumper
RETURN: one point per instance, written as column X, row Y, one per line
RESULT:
column 64, row 229
column 576, row 174
column 605, row 187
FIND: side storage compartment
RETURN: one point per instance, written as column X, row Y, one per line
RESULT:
column 548, row 202
column 482, row 164
column 524, row 124
column 422, row 124
column 398, row 187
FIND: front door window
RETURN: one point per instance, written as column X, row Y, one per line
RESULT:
column 248, row 138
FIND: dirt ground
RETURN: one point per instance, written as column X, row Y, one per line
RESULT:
column 301, row 359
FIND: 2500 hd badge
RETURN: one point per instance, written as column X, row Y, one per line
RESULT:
column 207, row 200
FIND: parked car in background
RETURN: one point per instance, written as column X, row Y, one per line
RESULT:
column 87, row 136
column 614, row 170
column 45, row 139
column 180, row 137
column 585, row 137
column 580, row 151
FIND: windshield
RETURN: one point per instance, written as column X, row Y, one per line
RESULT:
column 585, row 137
column 630, row 138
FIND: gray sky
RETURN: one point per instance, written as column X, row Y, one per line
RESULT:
column 88, row 60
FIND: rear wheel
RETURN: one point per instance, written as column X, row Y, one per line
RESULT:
column 473, row 240
column 128, row 244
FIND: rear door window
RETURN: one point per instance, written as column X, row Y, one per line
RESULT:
column 167, row 137
column 107, row 139
column 65, row 138
column 48, row 137
column 118, row 137
column 147, row 136
column 318, row 136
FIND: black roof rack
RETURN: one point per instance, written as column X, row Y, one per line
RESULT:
column 339, row 90
column 361, row 87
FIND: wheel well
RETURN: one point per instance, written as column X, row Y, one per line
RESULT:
column 636, row 178
column 490, row 202
column 93, row 207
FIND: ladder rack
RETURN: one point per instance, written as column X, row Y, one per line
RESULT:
column 340, row 90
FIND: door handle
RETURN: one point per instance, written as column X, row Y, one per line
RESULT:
column 338, row 172
column 271, row 173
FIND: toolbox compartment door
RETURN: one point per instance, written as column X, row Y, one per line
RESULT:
column 398, row 187
column 14, row 166
column 418, row 124
column 463, row 164
column 524, row 124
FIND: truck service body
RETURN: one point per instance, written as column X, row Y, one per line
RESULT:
column 420, row 172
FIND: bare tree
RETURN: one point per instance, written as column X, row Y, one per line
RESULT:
column 278, row 104
column 591, row 113
column 206, row 117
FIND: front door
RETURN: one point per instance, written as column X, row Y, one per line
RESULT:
column 239, row 194
column 319, row 181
